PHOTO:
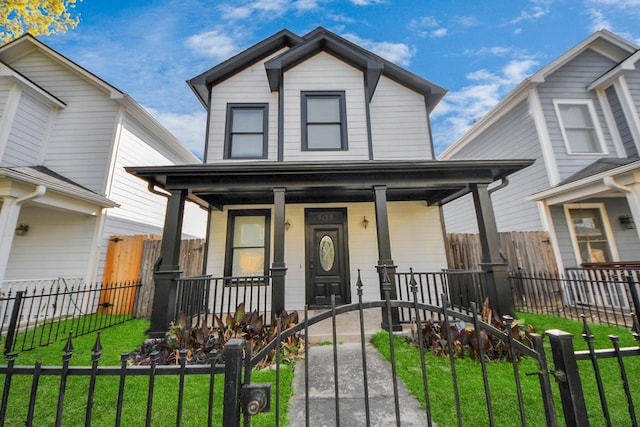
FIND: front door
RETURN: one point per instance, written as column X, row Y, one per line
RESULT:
column 327, row 257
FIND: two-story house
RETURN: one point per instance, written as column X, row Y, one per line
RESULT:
column 319, row 163
column 65, row 137
column 578, row 117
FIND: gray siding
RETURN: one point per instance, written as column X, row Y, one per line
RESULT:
column 563, row 235
column 621, row 122
column 513, row 137
column 633, row 80
column 570, row 82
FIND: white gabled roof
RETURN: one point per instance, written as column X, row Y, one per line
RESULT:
column 27, row 43
column 604, row 42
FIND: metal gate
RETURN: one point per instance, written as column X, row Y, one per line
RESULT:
column 249, row 399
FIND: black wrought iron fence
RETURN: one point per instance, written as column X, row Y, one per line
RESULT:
column 603, row 297
column 27, row 409
column 37, row 315
column 570, row 379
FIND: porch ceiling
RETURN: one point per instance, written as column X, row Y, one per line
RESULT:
column 435, row 182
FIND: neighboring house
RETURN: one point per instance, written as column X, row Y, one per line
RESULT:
column 578, row 117
column 319, row 164
column 65, row 137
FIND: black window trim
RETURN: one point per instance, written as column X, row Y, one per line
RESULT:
column 228, row 255
column 229, row 126
column 304, row 95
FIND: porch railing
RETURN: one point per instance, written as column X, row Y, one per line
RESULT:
column 461, row 287
column 206, row 295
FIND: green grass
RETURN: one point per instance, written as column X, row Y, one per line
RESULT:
column 115, row 340
column 502, row 383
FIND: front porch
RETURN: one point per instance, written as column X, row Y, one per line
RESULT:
column 285, row 187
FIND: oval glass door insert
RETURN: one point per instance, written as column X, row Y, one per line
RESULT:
column 327, row 253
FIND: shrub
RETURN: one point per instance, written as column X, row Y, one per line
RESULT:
column 204, row 342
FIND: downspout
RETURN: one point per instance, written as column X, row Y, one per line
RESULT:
column 39, row 192
column 610, row 182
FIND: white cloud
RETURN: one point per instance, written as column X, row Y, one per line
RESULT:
column 398, row 53
column 440, row 32
column 460, row 109
column 188, row 128
column 366, row 2
column 466, row 21
column 213, row 43
column 538, row 9
column 424, row 25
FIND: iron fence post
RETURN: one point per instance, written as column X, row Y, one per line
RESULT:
column 568, row 378
column 232, row 382
column 633, row 289
column 13, row 322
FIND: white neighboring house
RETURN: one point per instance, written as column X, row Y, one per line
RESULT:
column 579, row 118
column 65, row 137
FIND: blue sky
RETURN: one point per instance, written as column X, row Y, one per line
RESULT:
column 478, row 50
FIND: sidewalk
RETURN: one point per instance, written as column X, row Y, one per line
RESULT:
column 351, row 391
column 322, row 408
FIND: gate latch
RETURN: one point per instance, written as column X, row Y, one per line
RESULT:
column 559, row 375
column 256, row 398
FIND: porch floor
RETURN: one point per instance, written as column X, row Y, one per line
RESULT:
column 347, row 326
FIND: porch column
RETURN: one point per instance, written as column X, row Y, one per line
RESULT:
column 168, row 267
column 384, row 256
column 498, row 289
column 278, row 267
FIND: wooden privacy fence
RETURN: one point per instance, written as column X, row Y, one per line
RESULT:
column 133, row 259
column 523, row 250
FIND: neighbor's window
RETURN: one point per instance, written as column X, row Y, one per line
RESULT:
column 246, row 132
column 247, row 243
column 579, row 127
column 324, row 123
column 590, row 234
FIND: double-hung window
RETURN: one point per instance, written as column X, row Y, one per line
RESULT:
column 324, row 121
column 246, row 131
column 247, row 252
column 579, row 126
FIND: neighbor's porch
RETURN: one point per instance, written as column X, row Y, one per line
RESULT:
column 282, row 184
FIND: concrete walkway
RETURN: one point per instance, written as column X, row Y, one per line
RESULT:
column 322, row 408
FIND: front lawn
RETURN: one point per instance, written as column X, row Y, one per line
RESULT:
column 502, row 384
column 115, row 340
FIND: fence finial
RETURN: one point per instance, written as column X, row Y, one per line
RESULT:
column 97, row 346
column 359, row 283
column 68, row 348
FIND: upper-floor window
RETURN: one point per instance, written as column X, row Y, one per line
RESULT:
column 246, row 132
column 324, row 121
column 579, row 126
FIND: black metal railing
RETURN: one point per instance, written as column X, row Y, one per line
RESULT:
column 206, row 295
column 40, row 315
column 112, row 378
column 605, row 297
column 461, row 287
column 567, row 362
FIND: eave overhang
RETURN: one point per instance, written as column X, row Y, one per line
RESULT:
column 200, row 84
column 435, row 182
